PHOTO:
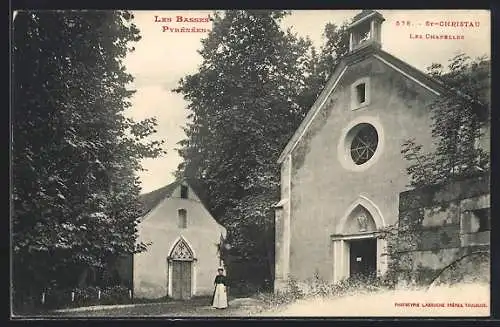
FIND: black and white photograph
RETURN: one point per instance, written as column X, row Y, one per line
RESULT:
column 250, row 163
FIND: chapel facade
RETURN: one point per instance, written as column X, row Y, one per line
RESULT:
column 342, row 171
column 182, row 258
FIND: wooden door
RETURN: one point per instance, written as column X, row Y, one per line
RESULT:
column 181, row 280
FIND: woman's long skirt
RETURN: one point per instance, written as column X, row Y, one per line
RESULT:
column 220, row 297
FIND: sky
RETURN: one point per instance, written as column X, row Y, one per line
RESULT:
column 162, row 58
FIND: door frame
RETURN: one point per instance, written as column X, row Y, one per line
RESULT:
column 169, row 264
column 341, row 254
column 340, row 249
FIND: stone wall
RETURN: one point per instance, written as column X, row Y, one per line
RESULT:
column 442, row 225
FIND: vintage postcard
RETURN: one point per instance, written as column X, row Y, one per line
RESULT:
column 250, row 163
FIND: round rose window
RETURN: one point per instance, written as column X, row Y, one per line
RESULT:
column 364, row 143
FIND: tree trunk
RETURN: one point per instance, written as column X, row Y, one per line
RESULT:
column 269, row 253
column 82, row 279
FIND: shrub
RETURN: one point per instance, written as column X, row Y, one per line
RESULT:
column 115, row 295
column 291, row 293
column 321, row 288
column 243, row 288
column 57, row 298
column 293, row 290
column 317, row 287
column 86, row 296
column 23, row 302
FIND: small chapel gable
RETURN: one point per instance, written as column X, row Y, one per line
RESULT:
column 184, row 191
column 177, row 201
column 366, row 78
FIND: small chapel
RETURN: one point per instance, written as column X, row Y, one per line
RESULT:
column 342, row 171
column 183, row 240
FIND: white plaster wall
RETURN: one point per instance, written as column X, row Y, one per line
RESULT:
column 160, row 227
column 323, row 186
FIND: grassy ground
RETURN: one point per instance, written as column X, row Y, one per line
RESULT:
column 196, row 307
column 389, row 303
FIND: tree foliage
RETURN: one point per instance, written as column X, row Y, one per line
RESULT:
column 75, row 154
column 322, row 62
column 460, row 116
column 253, row 88
column 336, row 46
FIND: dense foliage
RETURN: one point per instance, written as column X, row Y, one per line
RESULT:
column 460, row 116
column 75, row 154
column 255, row 85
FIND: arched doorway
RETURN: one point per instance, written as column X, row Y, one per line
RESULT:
column 181, row 271
column 358, row 249
column 362, row 251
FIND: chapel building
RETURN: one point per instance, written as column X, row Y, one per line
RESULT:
column 342, row 171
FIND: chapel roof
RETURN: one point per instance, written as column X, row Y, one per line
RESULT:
column 152, row 199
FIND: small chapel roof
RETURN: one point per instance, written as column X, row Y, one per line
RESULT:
column 152, row 199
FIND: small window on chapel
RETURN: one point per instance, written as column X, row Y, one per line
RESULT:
column 360, row 93
column 182, row 213
column 184, row 192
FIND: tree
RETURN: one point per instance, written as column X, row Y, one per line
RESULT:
column 254, row 87
column 75, row 192
column 321, row 64
column 335, row 47
column 459, row 118
column 244, row 107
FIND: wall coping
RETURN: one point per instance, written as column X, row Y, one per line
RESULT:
column 430, row 191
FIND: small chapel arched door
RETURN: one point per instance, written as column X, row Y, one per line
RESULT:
column 358, row 248
column 181, row 266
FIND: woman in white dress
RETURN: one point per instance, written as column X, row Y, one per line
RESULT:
column 220, row 295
